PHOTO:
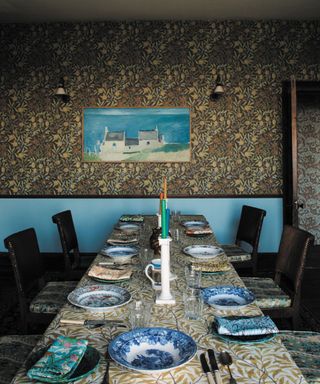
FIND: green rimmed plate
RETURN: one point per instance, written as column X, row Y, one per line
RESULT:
column 243, row 339
column 103, row 281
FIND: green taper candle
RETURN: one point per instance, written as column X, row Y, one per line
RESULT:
column 163, row 219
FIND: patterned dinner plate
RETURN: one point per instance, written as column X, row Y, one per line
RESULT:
column 99, row 298
column 87, row 365
column 152, row 350
column 227, row 297
column 128, row 227
column 120, row 253
column 194, row 223
column 203, row 251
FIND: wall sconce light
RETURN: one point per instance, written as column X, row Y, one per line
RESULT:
column 61, row 92
column 218, row 89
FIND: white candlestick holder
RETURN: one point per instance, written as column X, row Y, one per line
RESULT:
column 165, row 296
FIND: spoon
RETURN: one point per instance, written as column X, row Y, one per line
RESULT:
column 226, row 359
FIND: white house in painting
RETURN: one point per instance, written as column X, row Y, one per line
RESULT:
column 118, row 142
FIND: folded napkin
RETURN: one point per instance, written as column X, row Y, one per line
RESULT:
column 218, row 266
column 133, row 218
column 245, row 326
column 198, row 231
column 106, row 273
column 60, row 360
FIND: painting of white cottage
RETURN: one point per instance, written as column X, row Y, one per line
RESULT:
column 136, row 134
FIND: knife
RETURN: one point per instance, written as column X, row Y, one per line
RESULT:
column 214, row 366
column 206, row 369
column 93, row 323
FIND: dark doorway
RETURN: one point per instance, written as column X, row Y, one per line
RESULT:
column 301, row 174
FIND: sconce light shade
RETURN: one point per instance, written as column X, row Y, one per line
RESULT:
column 61, row 92
column 218, row 89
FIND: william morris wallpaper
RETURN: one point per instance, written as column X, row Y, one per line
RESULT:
column 236, row 140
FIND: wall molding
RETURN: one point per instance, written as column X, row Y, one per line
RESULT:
column 140, row 196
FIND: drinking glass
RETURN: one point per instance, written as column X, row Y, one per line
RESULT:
column 193, row 304
column 145, row 255
column 193, row 278
column 176, row 235
column 140, row 314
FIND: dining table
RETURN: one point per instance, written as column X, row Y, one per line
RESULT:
column 256, row 362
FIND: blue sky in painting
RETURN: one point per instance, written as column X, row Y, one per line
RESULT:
column 173, row 123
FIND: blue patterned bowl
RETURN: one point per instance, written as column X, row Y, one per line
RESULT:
column 152, row 350
column 227, row 297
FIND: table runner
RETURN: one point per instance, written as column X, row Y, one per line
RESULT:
column 265, row 363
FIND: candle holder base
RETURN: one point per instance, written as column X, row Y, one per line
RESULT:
column 167, row 301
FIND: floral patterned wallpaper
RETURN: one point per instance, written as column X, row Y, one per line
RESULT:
column 236, row 141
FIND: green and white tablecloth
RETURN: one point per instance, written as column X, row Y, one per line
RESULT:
column 267, row 362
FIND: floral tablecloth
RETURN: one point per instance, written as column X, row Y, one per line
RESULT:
column 267, row 362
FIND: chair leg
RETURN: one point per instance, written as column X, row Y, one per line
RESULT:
column 296, row 321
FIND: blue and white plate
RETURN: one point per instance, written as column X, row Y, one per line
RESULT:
column 152, row 350
column 227, row 297
column 194, row 223
column 128, row 227
column 203, row 251
column 99, row 298
column 119, row 253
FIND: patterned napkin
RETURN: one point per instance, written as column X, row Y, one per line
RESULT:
column 245, row 326
column 198, row 231
column 215, row 266
column 60, row 360
column 119, row 238
column 109, row 273
column 133, row 218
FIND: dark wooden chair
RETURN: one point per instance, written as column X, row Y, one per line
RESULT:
column 28, row 269
column 74, row 266
column 280, row 297
column 14, row 350
column 249, row 230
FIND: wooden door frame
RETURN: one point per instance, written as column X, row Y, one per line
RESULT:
column 289, row 134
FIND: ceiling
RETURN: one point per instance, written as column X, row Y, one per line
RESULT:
column 94, row 10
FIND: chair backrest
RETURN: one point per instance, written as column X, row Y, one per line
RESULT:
column 294, row 247
column 68, row 238
column 250, row 225
column 25, row 258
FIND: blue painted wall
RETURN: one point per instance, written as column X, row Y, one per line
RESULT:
column 94, row 218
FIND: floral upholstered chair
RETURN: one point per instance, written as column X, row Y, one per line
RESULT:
column 14, row 350
column 304, row 348
column 29, row 271
column 249, row 231
column 280, row 297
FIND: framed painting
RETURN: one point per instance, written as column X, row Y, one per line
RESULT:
column 143, row 134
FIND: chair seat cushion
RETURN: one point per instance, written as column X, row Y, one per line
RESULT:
column 235, row 253
column 52, row 297
column 268, row 293
column 14, row 350
column 304, row 348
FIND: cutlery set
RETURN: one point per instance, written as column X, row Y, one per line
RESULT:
column 213, row 374
column 95, row 323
